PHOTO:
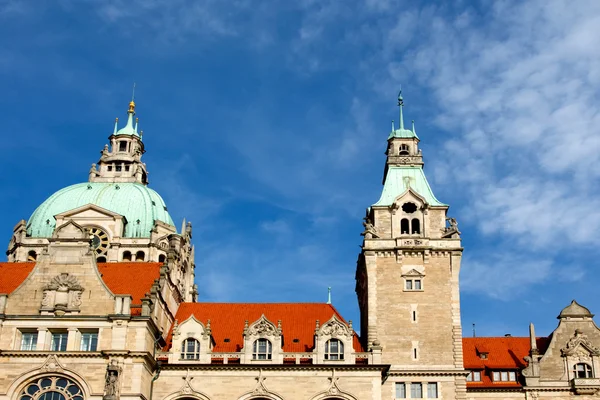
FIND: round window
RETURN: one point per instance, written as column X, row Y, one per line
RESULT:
column 409, row 207
column 99, row 240
column 52, row 388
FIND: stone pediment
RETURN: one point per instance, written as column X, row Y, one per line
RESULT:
column 262, row 327
column 580, row 346
column 334, row 328
column 89, row 211
column 70, row 230
column 413, row 272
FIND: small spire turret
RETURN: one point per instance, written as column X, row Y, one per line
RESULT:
column 329, row 295
column 401, row 106
column 116, row 126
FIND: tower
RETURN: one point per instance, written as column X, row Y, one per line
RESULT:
column 407, row 273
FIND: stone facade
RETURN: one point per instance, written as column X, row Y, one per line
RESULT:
column 98, row 310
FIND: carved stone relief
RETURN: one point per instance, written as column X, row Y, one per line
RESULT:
column 62, row 294
column 580, row 347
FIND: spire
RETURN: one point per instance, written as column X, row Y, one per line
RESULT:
column 329, row 295
column 116, row 125
column 401, row 106
column 532, row 341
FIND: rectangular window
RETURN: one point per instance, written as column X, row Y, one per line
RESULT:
column 504, row 376
column 400, row 390
column 122, row 145
column 127, row 168
column 409, row 284
column 89, row 341
column 474, row 376
column 118, row 168
column 417, row 284
column 432, row 390
column 29, row 340
column 416, row 390
column 59, row 341
column 109, row 168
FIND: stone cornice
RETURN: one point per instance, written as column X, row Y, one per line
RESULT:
column 276, row 367
column 429, row 372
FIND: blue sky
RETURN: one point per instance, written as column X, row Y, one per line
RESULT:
column 265, row 124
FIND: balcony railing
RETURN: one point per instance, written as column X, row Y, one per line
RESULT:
column 586, row 385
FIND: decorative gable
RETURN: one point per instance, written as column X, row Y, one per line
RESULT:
column 579, row 346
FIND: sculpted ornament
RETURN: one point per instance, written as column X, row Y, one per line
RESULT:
column 579, row 346
column 263, row 327
column 334, row 328
column 63, row 293
column 111, row 385
column 370, row 230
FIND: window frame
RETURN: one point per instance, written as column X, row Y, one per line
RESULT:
column 411, row 283
column 504, row 376
column 472, row 375
column 416, row 390
column 31, row 344
column 188, row 354
column 331, row 355
column 59, row 340
column 89, row 346
column 400, row 390
column 257, row 354
column 587, row 371
column 434, row 386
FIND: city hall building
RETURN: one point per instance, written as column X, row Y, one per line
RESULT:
column 98, row 302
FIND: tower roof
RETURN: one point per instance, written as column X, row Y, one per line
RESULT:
column 575, row 310
column 401, row 132
column 129, row 128
column 399, row 179
column 136, row 202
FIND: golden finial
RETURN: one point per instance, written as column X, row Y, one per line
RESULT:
column 132, row 103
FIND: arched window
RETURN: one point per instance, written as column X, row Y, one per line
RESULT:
column 162, row 258
column 52, row 388
column 415, row 225
column 31, row 256
column 334, row 349
column 404, row 228
column 404, row 150
column 582, row 370
column 190, row 349
column 101, row 259
column 126, row 256
column 262, row 350
column 139, row 256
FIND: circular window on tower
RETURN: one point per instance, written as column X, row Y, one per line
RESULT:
column 99, row 240
column 409, row 207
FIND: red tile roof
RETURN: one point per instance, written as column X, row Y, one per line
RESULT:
column 134, row 278
column 227, row 320
column 503, row 353
column 12, row 274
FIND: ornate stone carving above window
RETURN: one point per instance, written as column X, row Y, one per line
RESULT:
column 579, row 346
column 335, row 328
column 263, row 327
column 62, row 295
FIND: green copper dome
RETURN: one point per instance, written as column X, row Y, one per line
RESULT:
column 134, row 201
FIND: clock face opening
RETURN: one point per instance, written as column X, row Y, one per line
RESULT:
column 99, row 240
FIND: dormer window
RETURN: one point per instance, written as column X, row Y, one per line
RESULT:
column 190, row 349
column 404, row 150
column 262, row 349
column 582, row 370
column 334, row 349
